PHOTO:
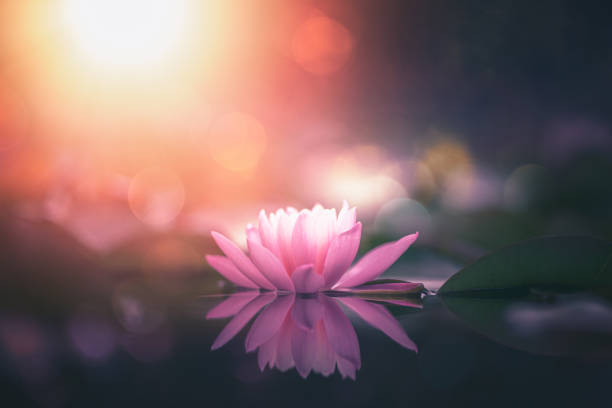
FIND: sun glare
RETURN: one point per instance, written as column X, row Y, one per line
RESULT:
column 126, row 33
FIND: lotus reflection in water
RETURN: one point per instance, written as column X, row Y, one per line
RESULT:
column 312, row 334
column 305, row 251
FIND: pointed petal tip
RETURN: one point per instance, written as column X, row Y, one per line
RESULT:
column 410, row 237
column 341, row 254
column 233, row 304
column 226, row 268
column 375, row 262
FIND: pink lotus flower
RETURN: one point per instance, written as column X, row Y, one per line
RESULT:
column 305, row 251
column 311, row 334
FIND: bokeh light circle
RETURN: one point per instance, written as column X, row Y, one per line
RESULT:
column 136, row 309
column 322, row 45
column 237, row 141
column 446, row 158
column 526, row 187
column 156, row 196
column 402, row 216
column 92, row 335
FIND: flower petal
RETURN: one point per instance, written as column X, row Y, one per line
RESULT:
column 325, row 231
column 379, row 317
column 232, row 305
column 307, row 312
column 229, row 271
column 303, row 241
column 375, row 262
column 268, row 322
column 306, row 280
column 242, row 262
column 341, row 254
column 340, row 332
column 284, row 234
column 270, row 266
column 267, row 233
column 241, row 319
column 346, row 218
column 391, row 288
column 252, row 233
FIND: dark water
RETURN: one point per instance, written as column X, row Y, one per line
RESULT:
column 144, row 350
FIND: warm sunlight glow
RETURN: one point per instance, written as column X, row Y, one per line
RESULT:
column 123, row 33
column 237, row 141
column 364, row 175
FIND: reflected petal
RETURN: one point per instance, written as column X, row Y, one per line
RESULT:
column 229, row 271
column 346, row 368
column 269, row 322
column 307, row 312
column 267, row 352
column 341, row 254
column 308, row 333
column 231, row 305
column 379, row 317
column 284, row 355
column 241, row 319
column 340, row 332
column 304, row 350
column 376, row 262
column 325, row 361
column 242, row 262
column 414, row 302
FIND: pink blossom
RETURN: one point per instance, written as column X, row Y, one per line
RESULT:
column 304, row 251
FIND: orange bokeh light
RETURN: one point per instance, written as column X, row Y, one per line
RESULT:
column 156, row 196
column 322, row 45
column 237, row 141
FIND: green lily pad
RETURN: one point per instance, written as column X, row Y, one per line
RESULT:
column 570, row 326
column 580, row 263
